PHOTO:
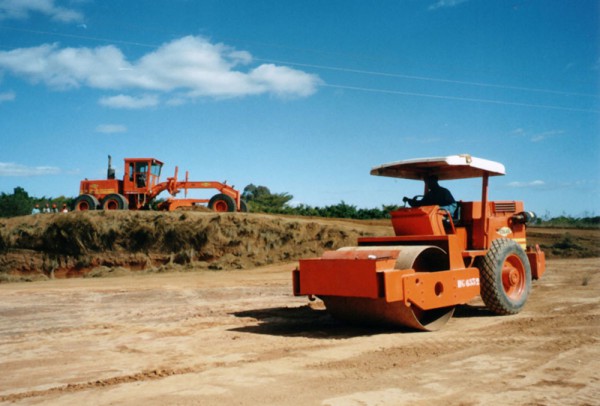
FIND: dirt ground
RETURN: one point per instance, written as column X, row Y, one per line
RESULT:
column 239, row 337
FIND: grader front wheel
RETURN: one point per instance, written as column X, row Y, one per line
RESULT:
column 505, row 277
column 222, row 203
column 115, row 202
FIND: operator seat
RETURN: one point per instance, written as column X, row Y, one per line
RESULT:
column 450, row 222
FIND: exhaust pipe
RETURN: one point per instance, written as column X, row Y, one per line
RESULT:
column 110, row 173
column 524, row 217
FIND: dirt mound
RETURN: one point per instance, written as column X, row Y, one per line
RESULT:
column 111, row 243
column 107, row 243
column 572, row 243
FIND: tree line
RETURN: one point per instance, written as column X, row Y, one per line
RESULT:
column 19, row 203
column 260, row 199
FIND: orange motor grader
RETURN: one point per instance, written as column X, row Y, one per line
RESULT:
column 141, row 185
column 434, row 262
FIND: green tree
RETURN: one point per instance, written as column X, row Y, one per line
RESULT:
column 17, row 204
column 260, row 199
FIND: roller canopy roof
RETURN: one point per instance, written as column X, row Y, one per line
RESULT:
column 445, row 168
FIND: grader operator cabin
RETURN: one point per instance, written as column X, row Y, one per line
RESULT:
column 435, row 261
column 141, row 185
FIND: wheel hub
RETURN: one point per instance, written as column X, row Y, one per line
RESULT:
column 514, row 277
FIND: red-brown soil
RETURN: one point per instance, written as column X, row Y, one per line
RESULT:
column 241, row 338
column 225, row 329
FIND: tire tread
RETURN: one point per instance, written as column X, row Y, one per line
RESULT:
column 490, row 266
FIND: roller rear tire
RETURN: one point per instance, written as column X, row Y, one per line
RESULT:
column 505, row 277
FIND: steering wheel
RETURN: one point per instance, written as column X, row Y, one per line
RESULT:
column 415, row 199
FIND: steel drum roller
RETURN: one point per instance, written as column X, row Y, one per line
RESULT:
column 378, row 311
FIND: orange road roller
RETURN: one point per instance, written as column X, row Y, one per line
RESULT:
column 442, row 255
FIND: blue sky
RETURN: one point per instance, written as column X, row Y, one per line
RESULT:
column 304, row 97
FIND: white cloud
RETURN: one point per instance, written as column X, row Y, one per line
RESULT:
column 21, row 9
column 446, row 4
column 7, row 96
column 545, row 135
column 283, row 81
column 532, row 184
column 12, row 169
column 537, row 137
column 66, row 68
column 176, row 101
column 111, row 128
column 539, row 185
column 191, row 66
column 128, row 102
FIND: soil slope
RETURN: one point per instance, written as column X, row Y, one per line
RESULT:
column 114, row 243
column 104, row 243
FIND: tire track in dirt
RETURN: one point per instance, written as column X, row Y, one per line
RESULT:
column 151, row 375
column 241, row 338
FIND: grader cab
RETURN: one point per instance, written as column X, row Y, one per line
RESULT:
column 435, row 261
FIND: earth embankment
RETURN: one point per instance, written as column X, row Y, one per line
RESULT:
column 118, row 242
column 99, row 243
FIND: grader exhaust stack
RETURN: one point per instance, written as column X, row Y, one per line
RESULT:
column 110, row 172
column 435, row 262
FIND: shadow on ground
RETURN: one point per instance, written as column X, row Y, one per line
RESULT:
column 305, row 321
column 467, row 311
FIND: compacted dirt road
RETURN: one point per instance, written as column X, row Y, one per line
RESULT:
column 241, row 338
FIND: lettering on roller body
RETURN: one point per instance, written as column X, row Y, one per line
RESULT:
column 467, row 283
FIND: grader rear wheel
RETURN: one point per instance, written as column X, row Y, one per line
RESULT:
column 505, row 277
column 398, row 314
column 86, row 202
